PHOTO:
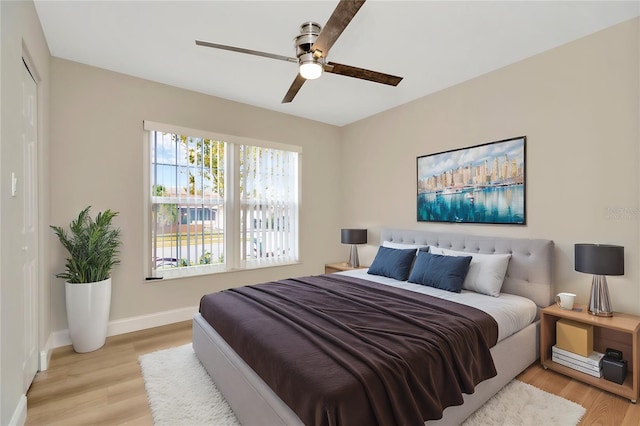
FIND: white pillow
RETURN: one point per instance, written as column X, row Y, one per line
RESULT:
column 401, row 246
column 486, row 271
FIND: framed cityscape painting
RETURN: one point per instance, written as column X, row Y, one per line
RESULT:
column 480, row 184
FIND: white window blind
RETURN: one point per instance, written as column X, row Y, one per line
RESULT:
column 269, row 204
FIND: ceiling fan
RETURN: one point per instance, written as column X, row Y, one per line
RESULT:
column 312, row 47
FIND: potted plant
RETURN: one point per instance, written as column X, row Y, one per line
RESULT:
column 93, row 246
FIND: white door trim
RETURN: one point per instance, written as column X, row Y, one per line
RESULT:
column 28, row 192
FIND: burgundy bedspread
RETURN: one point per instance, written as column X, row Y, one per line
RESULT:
column 344, row 351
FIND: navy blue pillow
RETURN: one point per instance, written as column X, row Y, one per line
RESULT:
column 443, row 272
column 393, row 263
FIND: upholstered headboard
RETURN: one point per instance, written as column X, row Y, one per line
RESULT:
column 530, row 271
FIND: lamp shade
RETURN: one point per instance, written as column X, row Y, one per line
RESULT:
column 354, row 236
column 599, row 259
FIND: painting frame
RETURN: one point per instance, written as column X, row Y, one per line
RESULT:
column 481, row 184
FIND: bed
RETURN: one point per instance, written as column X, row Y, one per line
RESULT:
column 528, row 275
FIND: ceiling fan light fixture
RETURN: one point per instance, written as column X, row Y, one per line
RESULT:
column 310, row 67
column 310, row 71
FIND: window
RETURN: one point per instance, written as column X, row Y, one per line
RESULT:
column 219, row 203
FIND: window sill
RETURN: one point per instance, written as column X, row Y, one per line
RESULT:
column 250, row 266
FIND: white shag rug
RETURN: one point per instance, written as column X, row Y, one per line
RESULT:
column 181, row 392
column 520, row 403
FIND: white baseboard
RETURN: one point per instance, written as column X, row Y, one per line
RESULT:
column 127, row 325
column 45, row 354
column 19, row 416
column 61, row 338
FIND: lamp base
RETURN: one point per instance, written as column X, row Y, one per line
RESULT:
column 354, row 262
column 599, row 303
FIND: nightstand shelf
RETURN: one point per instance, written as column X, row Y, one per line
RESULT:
column 620, row 332
column 330, row 268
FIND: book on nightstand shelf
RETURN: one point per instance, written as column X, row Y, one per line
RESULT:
column 593, row 360
column 591, row 365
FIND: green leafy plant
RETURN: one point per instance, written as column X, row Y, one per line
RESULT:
column 206, row 258
column 93, row 246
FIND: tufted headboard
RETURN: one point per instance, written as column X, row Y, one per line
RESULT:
column 530, row 271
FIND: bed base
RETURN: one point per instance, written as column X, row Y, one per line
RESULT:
column 256, row 404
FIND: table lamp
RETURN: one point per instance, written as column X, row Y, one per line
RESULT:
column 599, row 260
column 353, row 237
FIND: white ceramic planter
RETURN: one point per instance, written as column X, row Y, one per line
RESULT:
column 88, row 308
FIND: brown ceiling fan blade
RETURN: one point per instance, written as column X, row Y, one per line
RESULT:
column 248, row 51
column 293, row 89
column 361, row 73
column 338, row 21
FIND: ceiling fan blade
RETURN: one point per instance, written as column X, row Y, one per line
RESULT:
column 363, row 74
column 338, row 21
column 248, row 51
column 293, row 90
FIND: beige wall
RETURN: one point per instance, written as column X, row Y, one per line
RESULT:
column 21, row 36
column 578, row 107
column 97, row 159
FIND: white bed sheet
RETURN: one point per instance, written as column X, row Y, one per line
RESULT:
column 511, row 312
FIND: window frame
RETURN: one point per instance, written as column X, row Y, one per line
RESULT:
column 232, row 202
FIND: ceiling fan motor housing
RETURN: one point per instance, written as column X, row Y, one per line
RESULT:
column 309, row 32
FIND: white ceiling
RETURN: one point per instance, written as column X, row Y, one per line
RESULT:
column 432, row 44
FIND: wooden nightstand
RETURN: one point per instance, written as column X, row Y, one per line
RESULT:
column 619, row 332
column 330, row 268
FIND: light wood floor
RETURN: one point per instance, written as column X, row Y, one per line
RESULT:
column 105, row 387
